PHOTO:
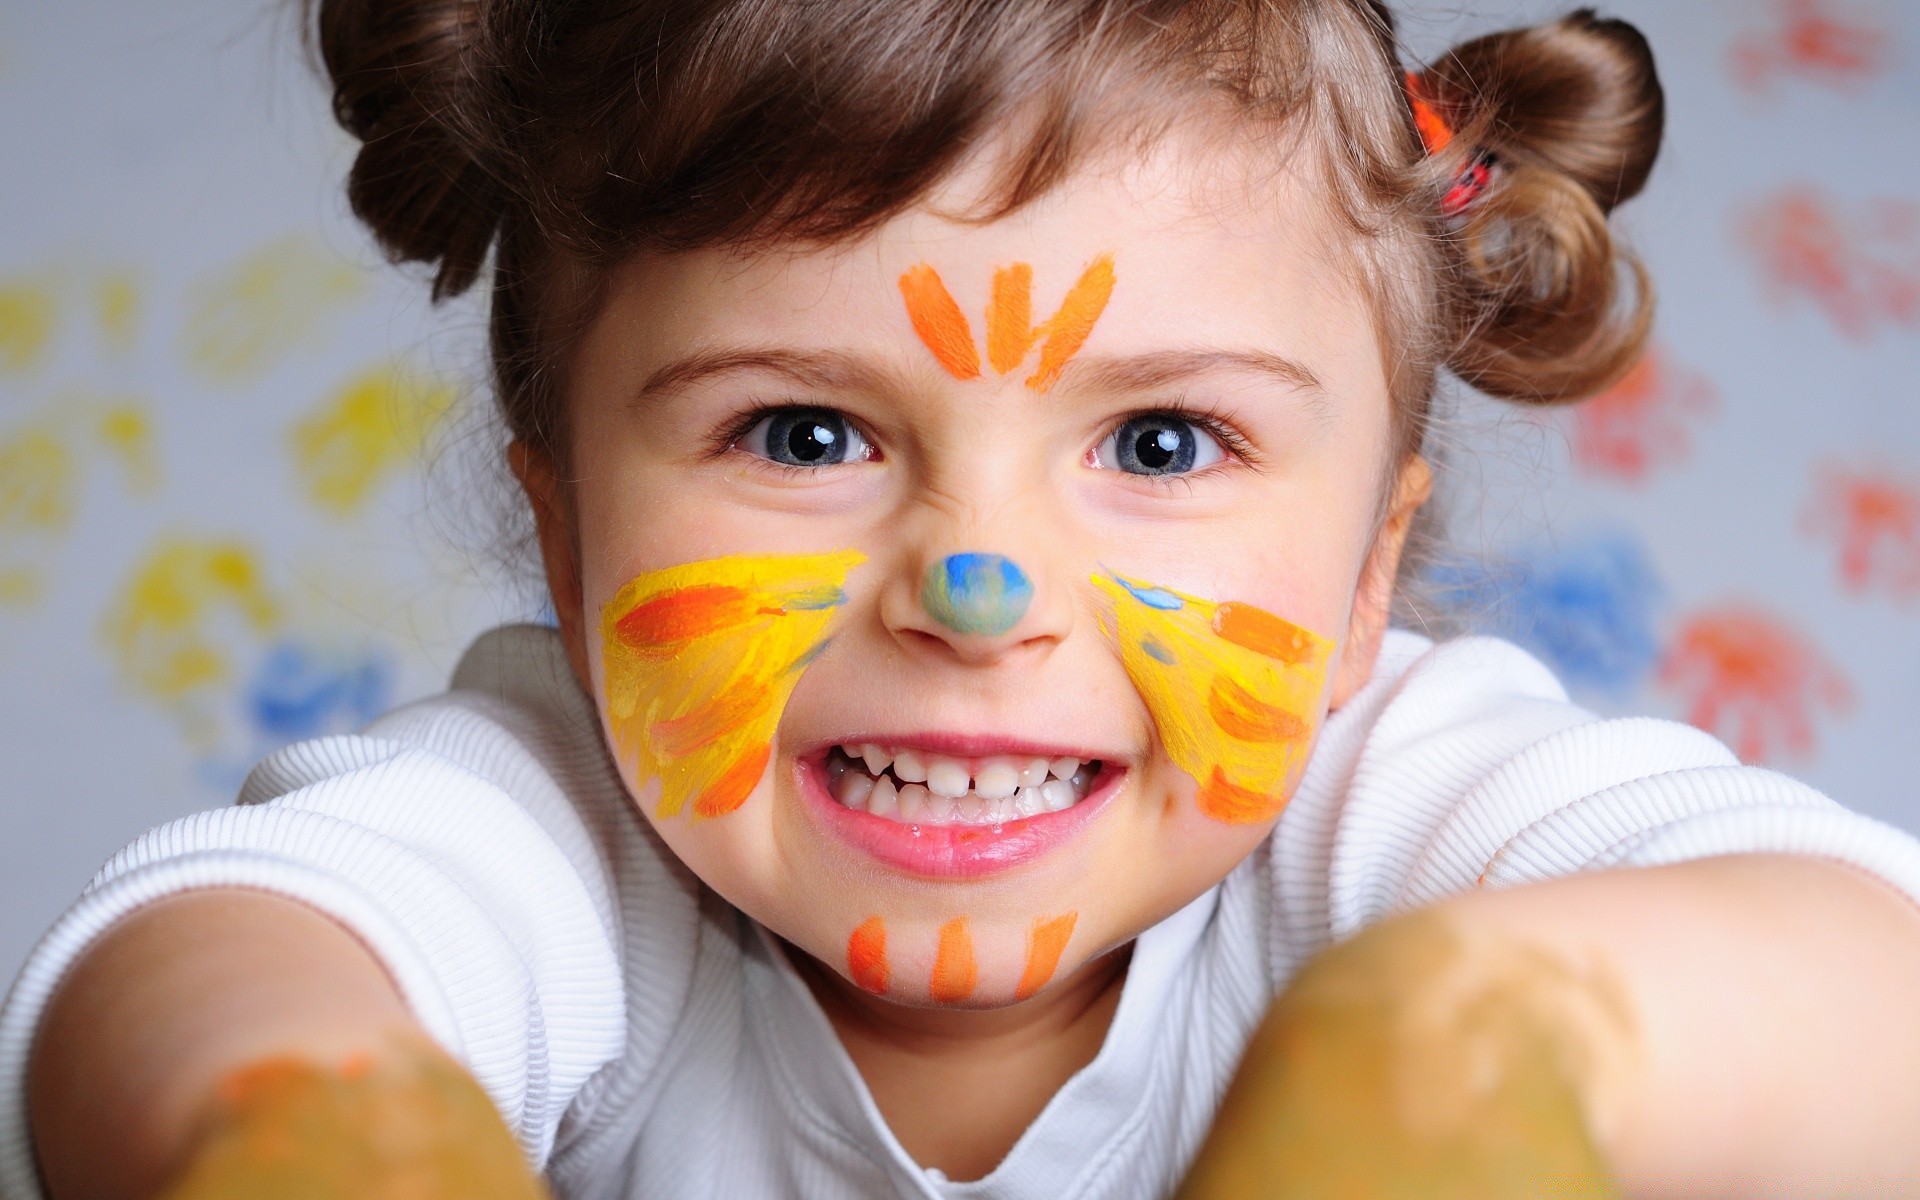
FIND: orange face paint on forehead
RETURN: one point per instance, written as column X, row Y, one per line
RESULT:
column 942, row 327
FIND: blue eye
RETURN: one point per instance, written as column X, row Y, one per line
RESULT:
column 1159, row 444
column 806, row 437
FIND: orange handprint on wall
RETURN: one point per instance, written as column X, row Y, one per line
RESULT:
column 1875, row 518
column 1749, row 679
column 1641, row 422
column 1860, row 267
column 1818, row 40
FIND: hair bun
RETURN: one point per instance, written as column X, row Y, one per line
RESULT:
column 401, row 81
column 1572, row 112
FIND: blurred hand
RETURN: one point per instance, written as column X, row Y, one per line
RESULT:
column 1418, row 1062
column 407, row 1123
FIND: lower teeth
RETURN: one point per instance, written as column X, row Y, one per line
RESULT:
column 912, row 803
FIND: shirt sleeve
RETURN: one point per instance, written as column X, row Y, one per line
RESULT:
column 1465, row 765
column 448, row 840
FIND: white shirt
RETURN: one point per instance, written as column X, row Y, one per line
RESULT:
column 645, row 1039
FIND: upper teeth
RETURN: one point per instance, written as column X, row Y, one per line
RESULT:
column 930, row 788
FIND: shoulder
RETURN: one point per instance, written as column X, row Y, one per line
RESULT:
column 1464, row 764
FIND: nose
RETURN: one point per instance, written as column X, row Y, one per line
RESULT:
column 977, row 607
column 972, row 593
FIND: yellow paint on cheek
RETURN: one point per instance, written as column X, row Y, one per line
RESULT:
column 1233, row 690
column 372, row 426
column 699, row 662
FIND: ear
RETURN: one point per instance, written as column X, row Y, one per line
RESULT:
column 1373, row 598
column 554, row 524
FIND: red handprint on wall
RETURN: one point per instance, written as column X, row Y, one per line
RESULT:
column 1749, row 679
column 1860, row 267
column 1641, row 422
column 1875, row 518
column 1819, row 40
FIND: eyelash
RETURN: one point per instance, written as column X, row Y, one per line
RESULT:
column 1208, row 417
column 728, row 436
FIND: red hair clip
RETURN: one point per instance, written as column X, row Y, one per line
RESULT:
column 1436, row 135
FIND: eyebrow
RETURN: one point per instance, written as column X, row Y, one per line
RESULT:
column 1141, row 372
column 814, row 368
column 839, row 370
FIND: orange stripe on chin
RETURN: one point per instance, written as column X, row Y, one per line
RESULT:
column 867, row 956
column 1044, row 946
column 938, row 320
column 954, row 973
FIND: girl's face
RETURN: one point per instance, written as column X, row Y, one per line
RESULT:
column 963, row 599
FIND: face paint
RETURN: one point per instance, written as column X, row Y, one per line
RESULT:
column 1412, row 1062
column 867, row 956
column 942, row 327
column 938, row 320
column 1044, row 946
column 700, row 660
column 403, row 1121
column 976, row 593
column 1231, row 688
column 954, row 972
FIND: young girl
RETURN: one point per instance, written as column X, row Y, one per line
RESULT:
column 972, row 446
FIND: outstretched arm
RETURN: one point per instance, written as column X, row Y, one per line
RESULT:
column 221, row 1042
column 1736, row 1026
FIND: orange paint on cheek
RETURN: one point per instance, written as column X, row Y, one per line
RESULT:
column 867, row 956
column 732, row 708
column 660, row 625
column 1233, row 690
column 1044, row 947
column 939, row 322
column 1263, row 633
column 701, row 658
column 1241, row 714
column 1224, row 800
column 731, row 788
column 1073, row 324
column 955, row 974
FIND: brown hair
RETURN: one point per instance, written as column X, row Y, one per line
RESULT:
column 559, row 137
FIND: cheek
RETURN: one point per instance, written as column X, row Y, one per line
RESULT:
column 1235, row 692
column 697, row 663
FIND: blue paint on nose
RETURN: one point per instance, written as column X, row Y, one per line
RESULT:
column 976, row 593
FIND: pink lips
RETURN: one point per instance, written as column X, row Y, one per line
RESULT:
column 950, row 851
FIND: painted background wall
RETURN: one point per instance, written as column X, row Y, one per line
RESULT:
column 238, row 455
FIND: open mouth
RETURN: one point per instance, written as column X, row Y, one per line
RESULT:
column 915, row 787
